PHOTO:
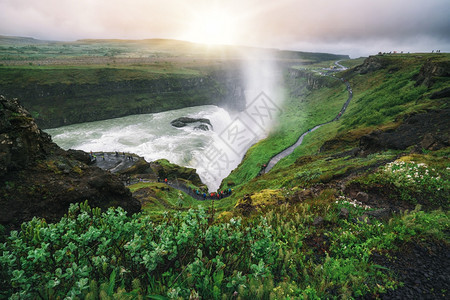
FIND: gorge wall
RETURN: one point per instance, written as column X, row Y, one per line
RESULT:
column 65, row 102
column 298, row 80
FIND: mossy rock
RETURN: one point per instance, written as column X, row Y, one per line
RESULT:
column 259, row 201
column 164, row 169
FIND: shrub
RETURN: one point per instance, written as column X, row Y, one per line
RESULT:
column 92, row 255
column 412, row 180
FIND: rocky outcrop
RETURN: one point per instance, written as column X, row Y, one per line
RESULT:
column 131, row 167
column 313, row 81
column 37, row 178
column 372, row 64
column 164, row 169
column 430, row 70
column 21, row 141
column 430, row 131
column 444, row 93
column 184, row 121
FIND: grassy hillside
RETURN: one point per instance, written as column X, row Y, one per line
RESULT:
column 360, row 209
column 17, row 50
column 299, row 114
column 380, row 100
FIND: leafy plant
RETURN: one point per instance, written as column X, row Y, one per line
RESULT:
column 414, row 182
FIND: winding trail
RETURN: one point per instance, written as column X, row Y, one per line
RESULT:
column 183, row 188
column 113, row 163
column 276, row 158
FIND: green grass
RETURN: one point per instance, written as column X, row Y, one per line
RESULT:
column 350, row 63
column 22, row 76
column 299, row 115
column 28, row 50
column 163, row 197
column 379, row 98
column 316, row 65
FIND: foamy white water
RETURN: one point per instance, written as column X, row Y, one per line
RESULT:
column 213, row 153
column 152, row 137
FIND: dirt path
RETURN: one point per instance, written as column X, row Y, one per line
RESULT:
column 191, row 192
column 276, row 158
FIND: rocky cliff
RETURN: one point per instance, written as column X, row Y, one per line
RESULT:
column 37, row 178
column 298, row 79
column 372, row 64
column 431, row 71
column 106, row 93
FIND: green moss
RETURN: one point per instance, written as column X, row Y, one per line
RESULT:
column 51, row 166
column 261, row 200
column 77, row 170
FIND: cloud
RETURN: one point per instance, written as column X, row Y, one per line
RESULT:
column 328, row 24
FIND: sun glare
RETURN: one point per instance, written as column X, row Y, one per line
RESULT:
column 212, row 27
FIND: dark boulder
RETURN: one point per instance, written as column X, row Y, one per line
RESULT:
column 382, row 213
column 318, row 221
column 302, row 195
column 80, row 156
column 343, row 213
column 178, row 123
column 432, row 141
column 184, row 121
column 362, row 197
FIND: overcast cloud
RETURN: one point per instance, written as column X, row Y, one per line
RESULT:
column 355, row 27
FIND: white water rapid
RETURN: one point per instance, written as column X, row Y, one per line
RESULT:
column 213, row 153
column 152, row 137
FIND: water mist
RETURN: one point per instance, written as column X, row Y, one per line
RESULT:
column 213, row 153
column 262, row 82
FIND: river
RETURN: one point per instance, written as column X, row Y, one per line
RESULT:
column 153, row 137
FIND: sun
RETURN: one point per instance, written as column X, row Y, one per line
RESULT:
column 212, row 27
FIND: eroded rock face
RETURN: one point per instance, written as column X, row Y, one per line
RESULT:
column 21, row 141
column 430, row 70
column 145, row 95
column 313, row 81
column 372, row 64
column 37, row 178
column 428, row 130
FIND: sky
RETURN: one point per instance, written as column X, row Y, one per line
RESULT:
column 353, row 27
